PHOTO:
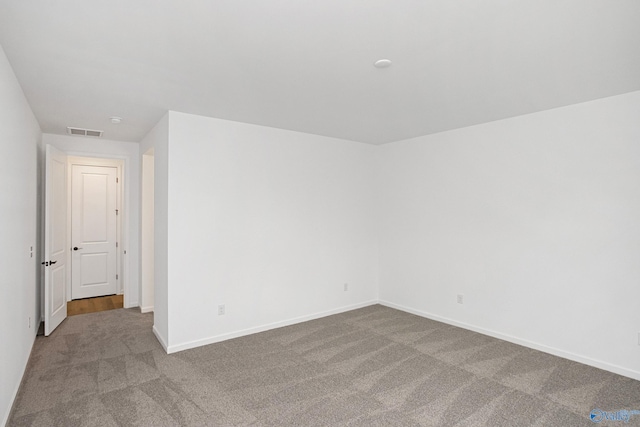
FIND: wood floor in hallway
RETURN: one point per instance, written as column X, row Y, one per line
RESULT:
column 92, row 305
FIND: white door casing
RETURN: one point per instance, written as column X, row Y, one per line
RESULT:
column 55, row 240
column 93, row 231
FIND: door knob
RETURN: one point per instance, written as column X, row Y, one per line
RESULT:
column 75, row 248
column 52, row 262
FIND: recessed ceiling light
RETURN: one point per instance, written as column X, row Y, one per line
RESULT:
column 382, row 63
column 115, row 120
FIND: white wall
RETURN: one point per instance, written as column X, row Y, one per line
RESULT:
column 130, row 153
column 158, row 140
column 19, row 298
column 534, row 219
column 270, row 223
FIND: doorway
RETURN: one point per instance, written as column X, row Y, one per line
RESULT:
column 58, row 247
column 95, row 227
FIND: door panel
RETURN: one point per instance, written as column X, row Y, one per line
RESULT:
column 93, row 231
column 55, row 235
column 94, row 205
column 58, row 297
column 94, row 269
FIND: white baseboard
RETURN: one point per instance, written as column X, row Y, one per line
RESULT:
column 129, row 304
column 530, row 344
column 146, row 309
column 161, row 339
column 536, row 346
column 5, row 419
column 241, row 333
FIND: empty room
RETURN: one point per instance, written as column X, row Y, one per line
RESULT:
column 321, row 213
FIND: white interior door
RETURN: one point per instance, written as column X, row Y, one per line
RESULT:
column 93, row 231
column 55, row 236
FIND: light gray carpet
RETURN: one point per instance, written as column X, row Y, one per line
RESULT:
column 370, row 367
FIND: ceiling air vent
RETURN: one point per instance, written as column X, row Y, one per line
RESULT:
column 84, row 132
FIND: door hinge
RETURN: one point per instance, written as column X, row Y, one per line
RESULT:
column 116, row 179
column 116, row 211
column 116, row 277
column 116, row 244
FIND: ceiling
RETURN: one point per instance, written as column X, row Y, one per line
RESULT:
column 308, row 65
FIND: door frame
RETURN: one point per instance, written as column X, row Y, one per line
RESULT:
column 120, row 236
column 147, row 213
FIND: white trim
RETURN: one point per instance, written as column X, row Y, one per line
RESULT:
column 241, row 333
column 123, row 164
column 146, row 309
column 146, row 235
column 536, row 346
column 131, row 298
column 160, row 339
column 17, row 387
column 530, row 344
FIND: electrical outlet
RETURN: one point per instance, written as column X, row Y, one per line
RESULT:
column 220, row 309
column 346, row 287
column 460, row 299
